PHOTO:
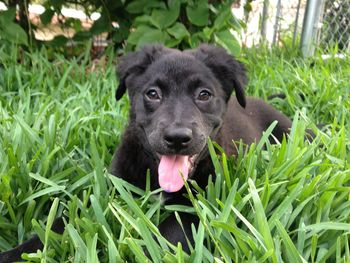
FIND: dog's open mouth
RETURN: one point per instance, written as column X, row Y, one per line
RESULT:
column 173, row 170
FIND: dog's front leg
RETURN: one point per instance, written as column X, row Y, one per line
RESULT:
column 31, row 245
column 173, row 232
column 14, row 254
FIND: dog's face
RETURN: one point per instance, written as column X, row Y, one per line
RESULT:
column 178, row 100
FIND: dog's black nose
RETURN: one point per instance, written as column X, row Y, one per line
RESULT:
column 177, row 138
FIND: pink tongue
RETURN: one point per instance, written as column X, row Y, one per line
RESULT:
column 169, row 171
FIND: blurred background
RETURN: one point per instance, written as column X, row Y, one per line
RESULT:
column 67, row 26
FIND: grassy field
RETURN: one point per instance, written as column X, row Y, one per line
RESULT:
column 59, row 125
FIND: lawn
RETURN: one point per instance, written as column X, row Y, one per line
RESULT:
column 59, row 125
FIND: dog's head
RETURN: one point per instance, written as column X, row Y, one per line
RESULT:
column 178, row 100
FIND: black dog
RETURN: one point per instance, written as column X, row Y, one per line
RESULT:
column 179, row 100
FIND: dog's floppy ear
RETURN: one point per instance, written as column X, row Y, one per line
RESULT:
column 135, row 63
column 227, row 70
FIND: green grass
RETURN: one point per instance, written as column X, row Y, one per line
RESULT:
column 59, row 125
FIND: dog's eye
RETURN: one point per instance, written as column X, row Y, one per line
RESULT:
column 152, row 94
column 204, row 95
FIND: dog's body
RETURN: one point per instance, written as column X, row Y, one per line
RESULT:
column 177, row 119
column 179, row 100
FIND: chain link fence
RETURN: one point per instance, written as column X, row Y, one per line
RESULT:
column 335, row 25
column 311, row 24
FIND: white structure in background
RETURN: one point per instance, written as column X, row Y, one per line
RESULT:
column 2, row 6
column 284, row 23
column 67, row 12
column 36, row 9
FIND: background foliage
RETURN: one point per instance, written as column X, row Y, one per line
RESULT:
column 10, row 31
column 130, row 24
